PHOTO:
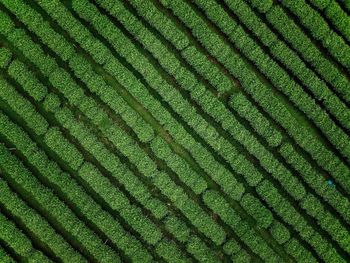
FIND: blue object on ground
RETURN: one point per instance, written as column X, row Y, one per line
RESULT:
column 330, row 183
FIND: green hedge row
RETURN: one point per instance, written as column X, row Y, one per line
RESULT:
column 264, row 97
column 61, row 80
column 334, row 12
column 198, row 61
column 19, row 242
column 185, row 110
column 279, row 232
column 320, row 30
column 327, row 221
column 99, row 26
column 111, row 163
column 248, row 17
column 268, row 161
column 316, row 181
column 5, row 257
column 292, row 62
column 64, row 183
column 54, row 208
column 298, row 195
column 231, row 247
column 257, row 210
column 299, row 252
column 257, row 120
column 66, row 151
column 22, row 107
column 140, row 92
column 120, row 203
column 5, row 57
column 240, row 227
column 270, row 195
column 28, row 16
column 106, row 160
column 168, row 251
column 26, row 79
column 160, row 22
column 38, row 225
column 186, row 174
column 203, row 222
column 208, row 70
column 281, row 80
column 196, row 247
column 262, row 5
column 307, row 50
column 84, row 71
column 170, row 95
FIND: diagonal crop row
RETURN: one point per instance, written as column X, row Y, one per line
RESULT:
column 303, row 45
column 333, row 12
column 192, row 16
column 149, row 7
column 18, row 242
column 282, row 81
column 37, row 225
column 275, row 108
column 290, row 60
column 320, row 30
column 53, row 207
column 50, row 103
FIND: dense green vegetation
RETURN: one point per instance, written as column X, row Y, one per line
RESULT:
column 175, row 131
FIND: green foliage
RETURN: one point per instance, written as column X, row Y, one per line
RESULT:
column 200, row 251
column 26, row 79
column 262, row 5
column 190, row 209
column 119, row 202
column 18, row 241
column 257, row 210
column 179, row 165
column 63, row 148
column 259, row 122
column 5, row 57
column 231, row 247
column 298, row 251
column 339, row 17
column 175, row 226
column 37, row 224
column 51, row 103
column 170, row 252
column 111, row 163
column 53, row 206
column 320, row 4
column 320, row 30
column 147, row 146
column 23, row 108
column 280, row 233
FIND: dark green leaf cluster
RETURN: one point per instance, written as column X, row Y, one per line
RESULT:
column 22, row 107
column 262, row 5
column 26, row 79
column 5, row 57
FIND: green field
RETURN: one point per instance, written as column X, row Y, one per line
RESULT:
column 175, row 131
